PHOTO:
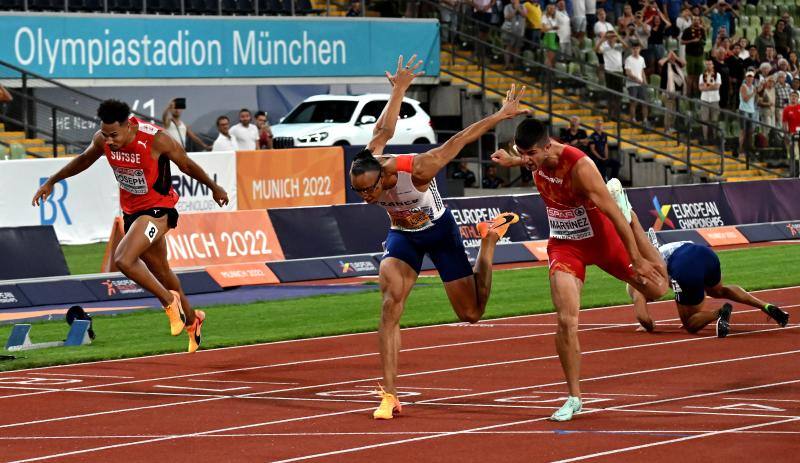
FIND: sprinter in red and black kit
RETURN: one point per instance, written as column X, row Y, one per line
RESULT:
column 587, row 227
column 139, row 153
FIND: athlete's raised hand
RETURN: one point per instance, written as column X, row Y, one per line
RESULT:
column 404, row 75
column 220, row 196
column 511, row 103
column 42, row 193
column 503, row 158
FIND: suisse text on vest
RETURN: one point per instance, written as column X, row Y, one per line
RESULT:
column 268, row 188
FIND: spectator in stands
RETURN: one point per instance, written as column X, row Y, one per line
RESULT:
column 752, row 61
column 513, row 30
column 245, row 133
column 658, row 24
column 601, row 27
column 626, row 18
column 598, row 151
column 782, row 38
column 611, row 48
column 449, row 13
column 641, row 34
column 695, row 39
column 533, row 21
column 744, row 46
column 264, row 131
column 550, row 37
column 224, row 142
column 683, row 23
column 794, row 65
column 355, row 9
column 765, row 39
column 764, row 71
column 578, row 20
column 176, row 129
column 736, row 69
column 574, row 135
column 5, row 95
column 672, row 9
column 722, row 16
column 771, row 58
column 673, row 82
column 636, row 82
column 564, row 30
column 783, row 66
column 766, row 102
column 482, row 13
column 463, row 173
column 591, row 16
column 791, row 114
column 718, row 61
column 649, row 9
column 747, row 107
column 783, row 93
column 709, row 85
column 491, row 180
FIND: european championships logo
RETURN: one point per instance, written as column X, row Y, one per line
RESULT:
column 660, row 213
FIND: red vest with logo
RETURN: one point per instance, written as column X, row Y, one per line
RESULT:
column 569, row 214
column 144, row 182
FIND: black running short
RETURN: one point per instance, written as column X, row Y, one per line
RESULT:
column 156, row 212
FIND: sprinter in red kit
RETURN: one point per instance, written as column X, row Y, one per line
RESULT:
column 139, row 153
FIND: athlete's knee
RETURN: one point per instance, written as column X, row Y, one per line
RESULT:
column 692, row 329
column 123, row 261
column 471, row 314
column 391, row 309
column 567, row 322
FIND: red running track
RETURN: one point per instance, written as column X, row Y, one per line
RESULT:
column 471, row 392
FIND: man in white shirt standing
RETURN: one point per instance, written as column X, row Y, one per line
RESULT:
column 224, row 142
column 578, row 19
column 245, row 133
column 710, row 82
column 601, row 27
column 611, row 48
column 175, row 128
column 564, row 31
column 636, row 80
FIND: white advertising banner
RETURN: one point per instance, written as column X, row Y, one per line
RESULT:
column 196, row 197
column 82, row 208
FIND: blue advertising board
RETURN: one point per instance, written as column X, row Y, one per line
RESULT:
column 148, row 47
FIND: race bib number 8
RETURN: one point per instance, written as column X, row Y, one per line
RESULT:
column 151, row 231
column 569, row 224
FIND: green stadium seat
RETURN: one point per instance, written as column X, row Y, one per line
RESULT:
column 761, row 10
column 672, row 44
column 755, row 21
column 772, row 10
column 574, row 69
column 750, row 10
column 744, row 21
column 3, row 152
column 17, row 151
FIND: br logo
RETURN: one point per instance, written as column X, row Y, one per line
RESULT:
column 48, row 211
column 660, row 213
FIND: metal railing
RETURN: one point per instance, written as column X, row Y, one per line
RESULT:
column 465, row 28
column 35, row 114
column 173, row 7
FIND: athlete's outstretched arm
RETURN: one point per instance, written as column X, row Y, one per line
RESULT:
column 587, row 179
column 77, row 165
column 166, row 145
column 427, row 165
column 386, row 123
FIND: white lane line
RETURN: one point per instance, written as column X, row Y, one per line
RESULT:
column 82, row 376
column 681, row 439
column 185, row 388
column 740, row 399
column 335, row 336
column 397, row 433
column 214, row 431
column 415, row 388
column 483, row 365
column 241, row 382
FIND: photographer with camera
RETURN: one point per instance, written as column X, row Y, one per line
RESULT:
column 175, row 127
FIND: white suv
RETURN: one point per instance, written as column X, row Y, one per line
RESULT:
column 340, row 120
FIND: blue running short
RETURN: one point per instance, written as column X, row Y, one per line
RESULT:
column 442, row 242
column 693, row 268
